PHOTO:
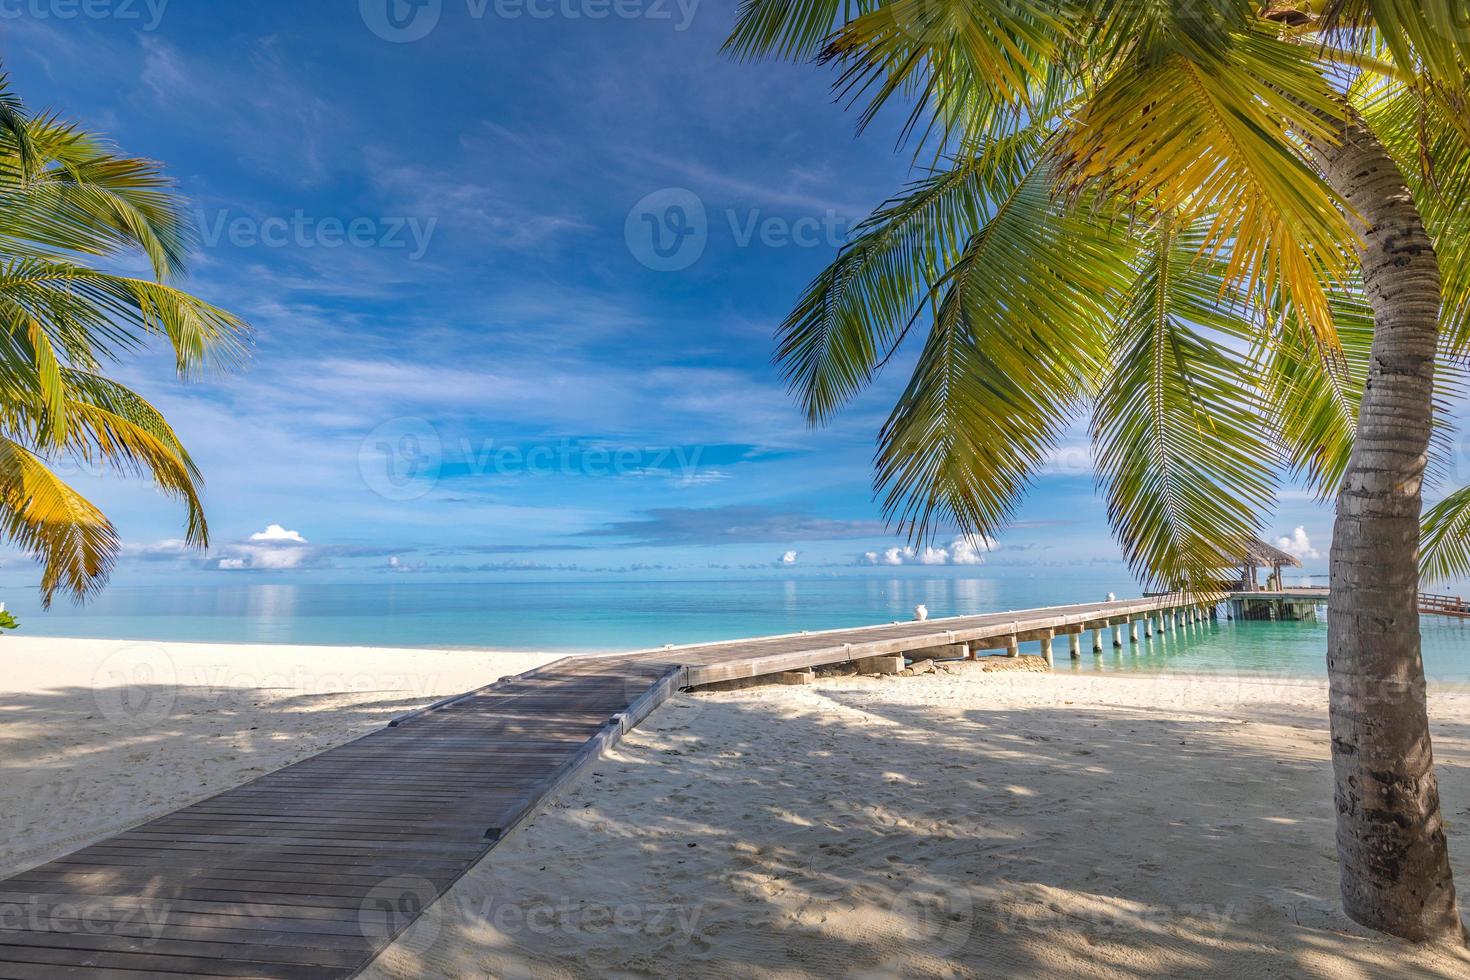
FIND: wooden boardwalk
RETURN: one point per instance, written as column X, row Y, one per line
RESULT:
column 307, row 873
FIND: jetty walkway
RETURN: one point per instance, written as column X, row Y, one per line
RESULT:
column 308, row 872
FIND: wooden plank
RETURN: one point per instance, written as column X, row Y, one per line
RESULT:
column 236, row 952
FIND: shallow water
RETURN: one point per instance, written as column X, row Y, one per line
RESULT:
column 623, row 615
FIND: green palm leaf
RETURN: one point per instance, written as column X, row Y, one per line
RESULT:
column 1013, row 348
column 1445, row 550
column 1184, row 449
column 66, row 196
column 1177, row 134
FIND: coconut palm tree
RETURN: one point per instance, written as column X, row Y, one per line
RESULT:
column 1234, row 240
column 73, row 213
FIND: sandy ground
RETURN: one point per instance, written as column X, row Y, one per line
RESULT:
column 971, row 825
column 99, row 735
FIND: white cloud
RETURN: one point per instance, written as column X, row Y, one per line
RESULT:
column 273, row 549
column 962, row 550
column 276, row 532
column 934, row 556
column 789, row 558
column 1299, row 545
column 970, row 550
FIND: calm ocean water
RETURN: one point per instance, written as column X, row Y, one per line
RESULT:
column 579, row 616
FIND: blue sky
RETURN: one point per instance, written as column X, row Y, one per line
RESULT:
column 471, row 360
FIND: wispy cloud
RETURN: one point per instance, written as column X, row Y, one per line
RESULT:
column 732, row 524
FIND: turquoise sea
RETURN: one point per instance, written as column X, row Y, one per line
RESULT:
column 623, row 615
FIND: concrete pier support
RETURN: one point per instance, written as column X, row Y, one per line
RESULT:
column 1118, row 637
column 881, row 665
column 1074, row 645
column 1097, row 639
column 1046, row 645
column 1013, row 647
column 1133, row 630
column 1148, row 626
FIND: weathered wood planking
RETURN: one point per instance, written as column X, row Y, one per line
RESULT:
column 282, row 877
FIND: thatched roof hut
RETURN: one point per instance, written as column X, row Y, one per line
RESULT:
column 1266, row 556
column 1254, row 554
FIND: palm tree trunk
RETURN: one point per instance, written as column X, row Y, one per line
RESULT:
column 1391, row 846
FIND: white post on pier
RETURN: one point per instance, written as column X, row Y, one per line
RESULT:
column 1074, row 645
column 1046, row 645
column 1097, row 639
column 1133, row 630
column 1148, row 625
column 1118, row 636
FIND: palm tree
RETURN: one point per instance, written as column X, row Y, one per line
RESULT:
column 66, row 201
column 1235, row 241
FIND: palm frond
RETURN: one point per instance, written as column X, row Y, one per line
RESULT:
column 1219, row 140
column 87, row 199
column 955, row 60
column 852, row 315
column 1313, row 394
column 134, row 446
column 92, row 314
column 1431, row 34
column 76, row 545
column 1185, row 454
column 1014, row 347
column 1444, row 550
column 66, row 195
column 791, row 29
column 15, row 131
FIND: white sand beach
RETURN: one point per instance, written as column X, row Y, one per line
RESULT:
column 964, row 824
column 967, row 825
column 99, row 735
